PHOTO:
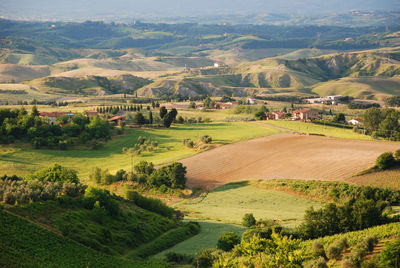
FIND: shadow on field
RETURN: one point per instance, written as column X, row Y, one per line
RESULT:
column 230, row 186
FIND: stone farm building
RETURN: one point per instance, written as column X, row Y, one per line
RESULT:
column 305, row 114
column 276, row 115
column 51, row 117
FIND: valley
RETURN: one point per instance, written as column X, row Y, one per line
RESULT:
column 191, row 144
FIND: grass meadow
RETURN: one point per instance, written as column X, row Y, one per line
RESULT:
column 319, row 129
column 22, row 160
column 207, row 238
column 230, row 202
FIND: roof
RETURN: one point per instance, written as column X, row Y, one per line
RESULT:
column 279, row 113
column 356, row 119
column 304, row 110
column 91, row 112
column 115, row 118
column 52, row 114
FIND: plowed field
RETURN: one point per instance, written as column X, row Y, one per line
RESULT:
column 284, row 156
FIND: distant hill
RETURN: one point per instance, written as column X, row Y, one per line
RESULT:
column 370, row 74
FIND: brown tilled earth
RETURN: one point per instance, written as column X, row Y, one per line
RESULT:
column 284, row 156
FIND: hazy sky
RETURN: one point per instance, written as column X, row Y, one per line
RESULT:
column 84, row 9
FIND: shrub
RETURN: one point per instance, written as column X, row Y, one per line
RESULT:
column 318, row 263
column 385, row 161
column 205, row 258
column 144, row 168
column 188, row 143
column 333, row 252
column 390, row 255
column 206, row 139
column 248, row 220
column 178, row 258
column 318, row 250
column 227, row 241
column 151, row 204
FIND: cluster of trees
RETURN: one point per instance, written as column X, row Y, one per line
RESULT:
column 45, row 184
column 126, row 108
column 169, row 176
column 168, row 116
column 332, row 219
column 104, row 177
column 362, row 105
column 383, row 123
column 19, row 125
column 393, row 101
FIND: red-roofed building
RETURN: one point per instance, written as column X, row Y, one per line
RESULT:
column 91, row 113
column 276, row 115
column 116, row 119
column 305, row 114
column 51, row 117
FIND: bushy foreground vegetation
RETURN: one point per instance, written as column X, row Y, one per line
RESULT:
column 24, row 244
column 94, row 217
column 17, row 124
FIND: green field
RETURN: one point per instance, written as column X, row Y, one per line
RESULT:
column 207, row 238
column 319, row 129
column 20, row 161
column 230, row 202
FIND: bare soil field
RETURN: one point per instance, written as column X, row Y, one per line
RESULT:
column 284, row 156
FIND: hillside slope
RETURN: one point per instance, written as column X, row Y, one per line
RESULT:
column 25, row 244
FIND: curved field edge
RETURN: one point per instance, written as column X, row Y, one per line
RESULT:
column 14, row 160
column 24, row 244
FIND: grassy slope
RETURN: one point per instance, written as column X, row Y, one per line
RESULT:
column 108, row 234
column 387, row 178
column 207, row 238
column 24, row 244
column 360, row 87
column 320, row 129
column 230, row 202
column 23, row 161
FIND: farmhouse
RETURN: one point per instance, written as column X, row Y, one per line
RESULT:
column 276, row 115
column 223, row 105
column 51, row 117
column 355, row 121
column 116, row 119
column 91, row 113
column 251, row 101
column 305, row 114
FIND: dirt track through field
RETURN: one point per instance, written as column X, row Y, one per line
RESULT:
column 284, row 156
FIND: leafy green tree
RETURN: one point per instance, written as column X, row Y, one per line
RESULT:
column 339, row 118
column 35, row 111
column 55, row 173
column 390, row 255
column 385, row 161
column 139, row 119
column 144, row 168
column 170, row 117
column 227, row 241
column 248, row 220
column 163, row 112
column 372, row 118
